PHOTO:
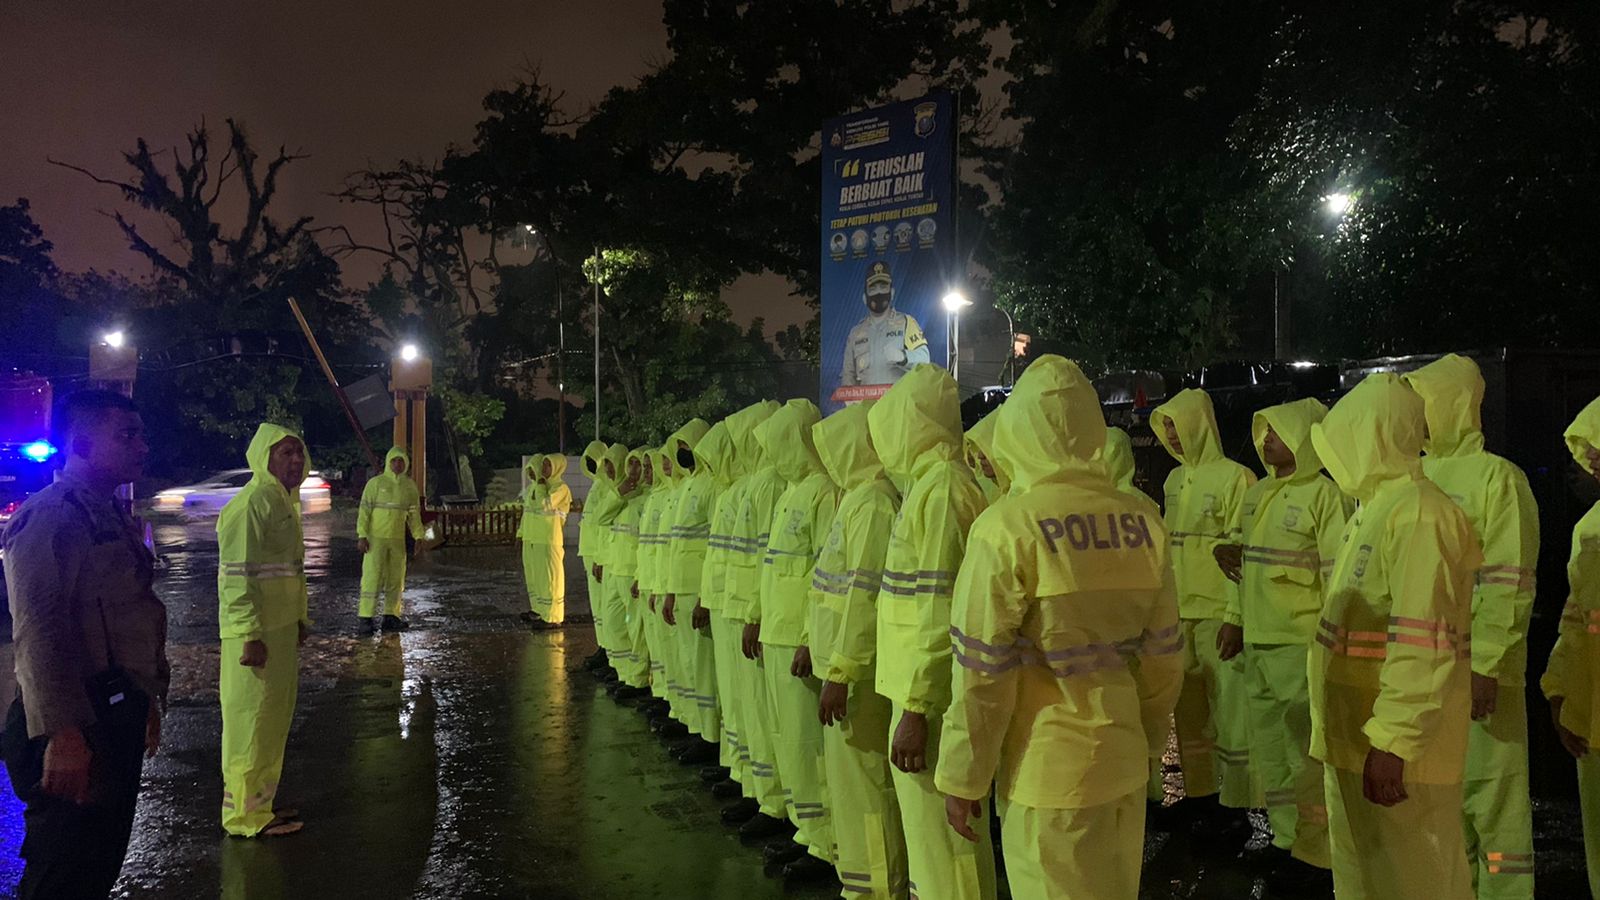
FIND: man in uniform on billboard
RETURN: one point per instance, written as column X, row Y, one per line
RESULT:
column 886, row 343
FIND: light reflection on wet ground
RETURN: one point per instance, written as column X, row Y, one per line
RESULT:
column 471, row 758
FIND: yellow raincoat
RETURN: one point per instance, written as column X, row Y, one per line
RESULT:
column 1068, row 650
column 1204, row 498
column 1118, row 457
column 390, row 507
column 1495, row 495
column 916, row 428
column 799, row 523
column 600, row 511
column 735, row 674
column 622, row 568
column 261, row 589
column 871, row 859
column 748, row 547
column 544, row 550
column 1292, row 527
column 591, row 534
column 1573, row 675
column 687, row 537
column 1389, row 670
column 653, row 528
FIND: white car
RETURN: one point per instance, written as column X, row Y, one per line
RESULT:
column 209, row 496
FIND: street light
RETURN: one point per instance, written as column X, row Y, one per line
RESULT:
column 1338, row 203
column 114, row 339
column 409, row 353
column 954, row 303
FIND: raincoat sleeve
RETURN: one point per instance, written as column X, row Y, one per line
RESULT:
column 1232, row 613
column 1503, row 600
column 866, row 542
column 1332, row 514
column 43, row 558
column 1564, row 657
column 364, row 512
column 1159, row 673
column 240, row 540
column 945, row 517
column 1235, row 505
column 414, row 515
column 1424, row 643
column 826, row 507
column 985, row 618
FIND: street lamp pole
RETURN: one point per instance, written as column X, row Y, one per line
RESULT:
column 597, row 342
column 954, row 302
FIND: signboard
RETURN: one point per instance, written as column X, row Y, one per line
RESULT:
column 889, row 250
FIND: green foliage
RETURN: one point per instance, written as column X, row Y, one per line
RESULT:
column 472, row 416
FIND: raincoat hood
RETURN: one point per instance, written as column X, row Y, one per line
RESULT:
column 617, row 455
column 646, row 460
column 844, row 444
column 1292, row 422
column 747, row 451
column 980, row 439
column 917, row 422
column 592, row 455
column 1051, row 427
column 1584, row 433
column 267, row 436
column 1451, row 388
column 1372, row 436
column 714, row 454
column 786, row 437
column 1195, row 420
column 686, row 438
column 394, row 454
column 558, row 467
column 1118, row 457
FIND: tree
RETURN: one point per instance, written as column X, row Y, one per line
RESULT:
column 221, row 351
column 26, row 275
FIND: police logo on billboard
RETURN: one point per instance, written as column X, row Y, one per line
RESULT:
column 902, row 236
column 880, row 238
column 838, row 243
column 926, row 229
column 926, row 119
column 858, row 240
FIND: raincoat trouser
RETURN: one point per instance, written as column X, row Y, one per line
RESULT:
column 651, row 544
column 632, row 660
column 688, row 539
column 261, row 590
column 390, row 506
column 724, row 636
column 1398, row 852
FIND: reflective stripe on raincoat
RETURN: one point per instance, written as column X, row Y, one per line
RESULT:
column 800, row 521
column 1574, row 669
column 546, row 503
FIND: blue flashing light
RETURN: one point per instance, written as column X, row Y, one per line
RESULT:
column 39, row 451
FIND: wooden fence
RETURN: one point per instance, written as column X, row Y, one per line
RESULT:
column 476, row 525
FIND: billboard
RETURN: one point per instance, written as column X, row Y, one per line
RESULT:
column 889, row 249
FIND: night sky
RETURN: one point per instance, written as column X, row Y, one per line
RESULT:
column 345, row 82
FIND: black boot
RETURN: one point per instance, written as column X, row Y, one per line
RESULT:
column 762, row 826
column 596, row 661
column 713, row 774
column 395, row 623
column 696, row 753
column 781, row 853
column 727, row 790
column 808, row 869
column 1223, row 828
column 1298, row 880
column 740, row 813
column 625, row 692
column 668, row 728
column 368, row 626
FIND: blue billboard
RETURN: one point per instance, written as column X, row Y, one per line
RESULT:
column 889, row 250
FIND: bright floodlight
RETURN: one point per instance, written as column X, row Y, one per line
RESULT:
column 955, row 301
column 409, row 353
column 530, row 229
column 115, row 339
column 1302, row 364
column 1338, row 204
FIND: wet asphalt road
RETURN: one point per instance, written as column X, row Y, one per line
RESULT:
column 471, row 758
